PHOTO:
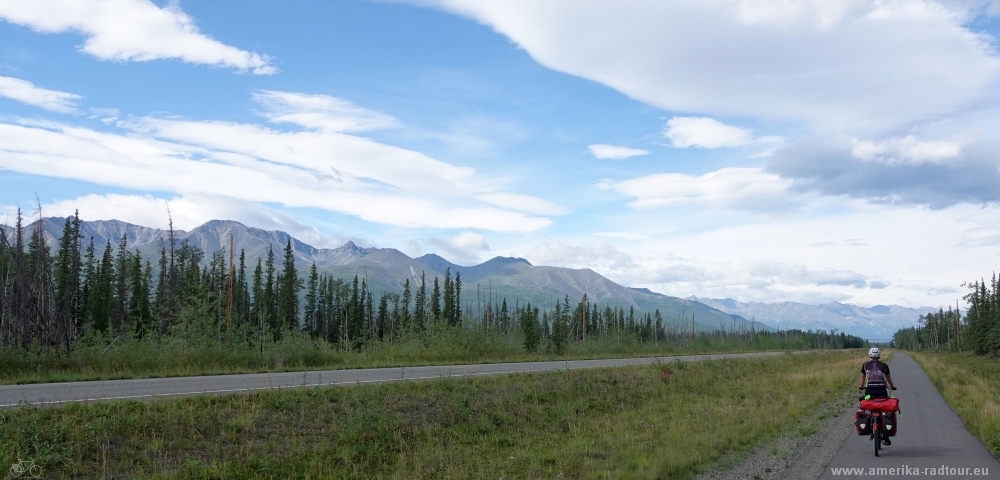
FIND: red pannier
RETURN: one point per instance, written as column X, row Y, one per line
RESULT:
column 885, row 405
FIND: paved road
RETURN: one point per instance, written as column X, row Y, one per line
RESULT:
column 57, row 393
column 931, row 436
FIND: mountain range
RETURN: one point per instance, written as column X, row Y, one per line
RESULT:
column 515, row 279
column 386, row 269
column 877, row 322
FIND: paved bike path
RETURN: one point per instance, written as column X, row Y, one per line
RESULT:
column 930, row 436
column 57, row 393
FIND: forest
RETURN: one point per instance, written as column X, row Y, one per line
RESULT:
column 978, row 331
column 51, row 301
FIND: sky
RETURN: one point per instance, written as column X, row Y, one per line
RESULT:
column 761, row 150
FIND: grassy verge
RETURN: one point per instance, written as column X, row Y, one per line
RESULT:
column 94, row 359
column 651, row 421
column 971, row 385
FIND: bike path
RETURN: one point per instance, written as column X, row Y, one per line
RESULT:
column 930, row 436
column 58, row 393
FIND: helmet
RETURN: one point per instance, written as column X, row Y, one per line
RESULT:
column 874, row 352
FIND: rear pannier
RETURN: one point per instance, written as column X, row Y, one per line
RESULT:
column 862, row 423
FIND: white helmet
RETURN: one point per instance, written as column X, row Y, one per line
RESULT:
column 874, row 352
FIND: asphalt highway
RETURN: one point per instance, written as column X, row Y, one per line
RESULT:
column 92, row 391
column 932, row 441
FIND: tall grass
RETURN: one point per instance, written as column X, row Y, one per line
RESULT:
column 971, row 385
column 99, row 357
column 653, row 421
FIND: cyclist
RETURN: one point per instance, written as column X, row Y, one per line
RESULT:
column 878, row 378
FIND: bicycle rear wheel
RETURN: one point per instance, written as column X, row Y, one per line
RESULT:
column 877, row 431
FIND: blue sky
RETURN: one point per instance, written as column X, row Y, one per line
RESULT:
column 773, row 151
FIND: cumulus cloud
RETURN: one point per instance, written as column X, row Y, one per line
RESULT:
column 31, row 94
column 843, row 65
column 615, row 152
column 737, row 188
column 133, row 30
column 906, row 150
column 319, row 169
column 464, row 247
column 701, row 132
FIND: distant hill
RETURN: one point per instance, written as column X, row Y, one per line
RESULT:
column 877, row 322
column 513, row 279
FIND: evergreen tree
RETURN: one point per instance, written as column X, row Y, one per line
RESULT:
column 288, row 297
column 312, row 301
column 68, row 272
column 259, row 312
column 382, row 317
column 101, row 294
column 449, row 298
column 270, row 307
column 420, row 302
column 122, row 288
column 529, row 328
column 457, row 309
column 436, row 300
column 405, row 307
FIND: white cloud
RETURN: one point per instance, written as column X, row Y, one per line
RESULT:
column 615, row 152
column 907, row 150
column 27, row 92
column 317, row 169
column 320, row 112
column 737, row 188
column 600, row 256
column 465, row 247
column 132, row 30
column 702, row 132
column 836, row 64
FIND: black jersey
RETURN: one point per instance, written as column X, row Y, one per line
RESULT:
column 875, row 372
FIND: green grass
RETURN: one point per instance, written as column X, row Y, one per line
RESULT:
column 971, row 385
column 92, row 359
column 654, row 421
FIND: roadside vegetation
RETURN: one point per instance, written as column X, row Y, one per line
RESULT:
column 959, row 353
column 84, row 312
column 94, row 359
column 971, row 385
column 655, row 421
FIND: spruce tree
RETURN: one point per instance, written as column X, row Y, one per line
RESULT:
column 436, row 300
column 457, row 309
column 529, row 328
column 120, row 307
column 269, row 301
column 312, row 300
column 259, row 313
column 449, row 298
column 405, row 307
column 288, row 297
column 420, row 302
